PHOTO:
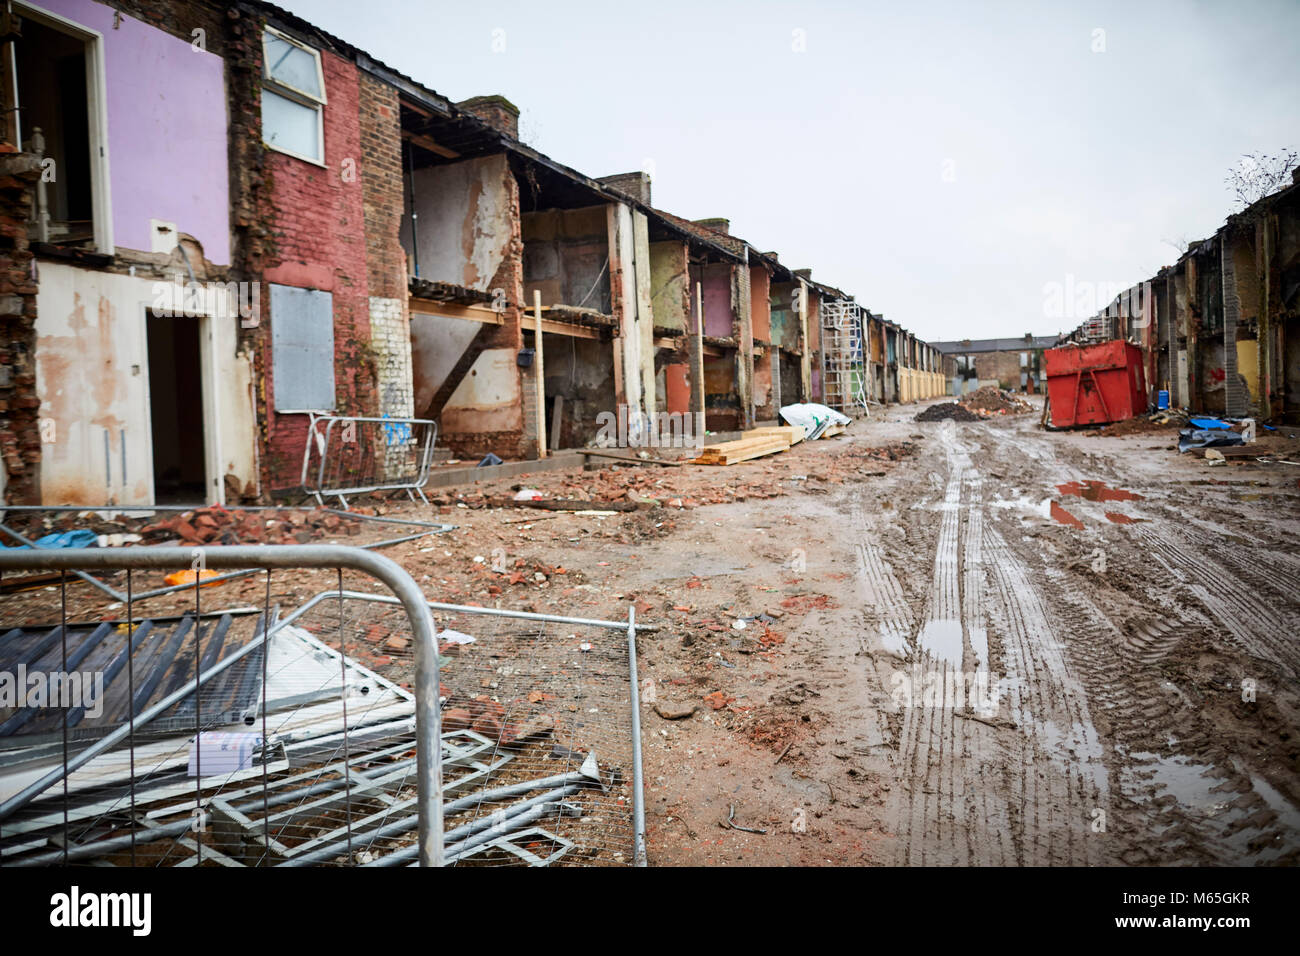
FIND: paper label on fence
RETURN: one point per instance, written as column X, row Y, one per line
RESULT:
column 222, row 752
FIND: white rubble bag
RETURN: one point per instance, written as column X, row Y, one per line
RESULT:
column 814, row 418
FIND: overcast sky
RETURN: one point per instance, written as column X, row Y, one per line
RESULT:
column 949, row 164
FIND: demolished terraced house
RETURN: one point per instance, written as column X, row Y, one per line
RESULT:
column 268, row 228
column 1219, row 330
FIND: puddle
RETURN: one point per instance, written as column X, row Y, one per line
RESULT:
column 942, row 640
column 1064, row 517
column 1193, row 785
column 1118, row 518
column 1288, row 813
column 894, row 641
column 1096, row 491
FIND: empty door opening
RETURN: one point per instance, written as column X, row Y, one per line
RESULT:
column 176, row 410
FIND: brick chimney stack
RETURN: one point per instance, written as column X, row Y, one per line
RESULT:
column 636, row 185
column 717, row 225
column 495, row 110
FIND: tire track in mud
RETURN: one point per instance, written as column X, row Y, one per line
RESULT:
column 1060, row 750
column 1179, row 794
column 1230, row 597
column 1178, row 797
column 971, row 790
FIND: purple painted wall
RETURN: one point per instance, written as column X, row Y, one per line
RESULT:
column 167, row 136
column 717, row 301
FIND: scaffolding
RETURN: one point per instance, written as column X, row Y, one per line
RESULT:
column 844, row 364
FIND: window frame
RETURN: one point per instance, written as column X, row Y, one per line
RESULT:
column 97, row 115
column 295, row 95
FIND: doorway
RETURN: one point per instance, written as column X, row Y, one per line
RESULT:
column 176, row 409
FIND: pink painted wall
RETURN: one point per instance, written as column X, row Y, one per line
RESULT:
column 717, row 300
column 167, row 132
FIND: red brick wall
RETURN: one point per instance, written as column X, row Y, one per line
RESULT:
column 318, row 229
column 381, row 187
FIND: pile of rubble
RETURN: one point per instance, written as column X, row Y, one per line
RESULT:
column 644, row 485
column 217, row 525
column 991, row 400
column 946, row 410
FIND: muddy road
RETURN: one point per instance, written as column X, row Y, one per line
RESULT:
column 918, row 643
column 1035, row 648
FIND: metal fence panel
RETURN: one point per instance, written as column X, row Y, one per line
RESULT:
column 357, row 455
column 336, row 733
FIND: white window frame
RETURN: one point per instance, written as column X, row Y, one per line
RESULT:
column 301, row 97
column 96, row 110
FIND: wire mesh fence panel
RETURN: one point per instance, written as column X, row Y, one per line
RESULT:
column 270, row 736
column 350, row 456
column 217, row 738
column 536, row 730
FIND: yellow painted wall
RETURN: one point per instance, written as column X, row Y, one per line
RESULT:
column 1248, row 365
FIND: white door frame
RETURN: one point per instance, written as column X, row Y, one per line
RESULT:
column 215, row 486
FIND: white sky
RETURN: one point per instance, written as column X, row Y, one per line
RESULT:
column 1063, row 164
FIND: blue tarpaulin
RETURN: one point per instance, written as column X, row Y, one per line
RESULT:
column 1206, row 437
column 64, row 539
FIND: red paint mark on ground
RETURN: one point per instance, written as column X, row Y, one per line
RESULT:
column 1096, row 491
column 1064, row 517
column 1118, row 518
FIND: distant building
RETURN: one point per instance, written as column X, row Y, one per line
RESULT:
column 1011, row 363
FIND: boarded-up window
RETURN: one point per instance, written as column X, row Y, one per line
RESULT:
column 302, row 349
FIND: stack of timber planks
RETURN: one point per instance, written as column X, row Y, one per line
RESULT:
column 793, row 432
column 754, row 443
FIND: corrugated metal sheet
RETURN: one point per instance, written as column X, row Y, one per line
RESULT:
column 163, row 657
column 302, row 349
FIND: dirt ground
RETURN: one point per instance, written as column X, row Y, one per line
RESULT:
column 920, row 642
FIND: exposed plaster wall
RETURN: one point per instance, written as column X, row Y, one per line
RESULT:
column 760, row 308
column 436, row 346
column 718, row 316
column 622, row 267
column 466, row 221
column 645, row 356
column 566, row 258
column 670, row 284
column 581, row 372
column 488, row 398
column 92, row 379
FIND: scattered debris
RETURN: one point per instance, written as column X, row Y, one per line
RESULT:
column 669, row 711
column 733, row 825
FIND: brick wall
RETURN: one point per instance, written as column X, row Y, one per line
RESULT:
column 20, row 440
column 390, row 333
column 381, row 194
column 318, row 228
column 381, row 187
column 1002, row 366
